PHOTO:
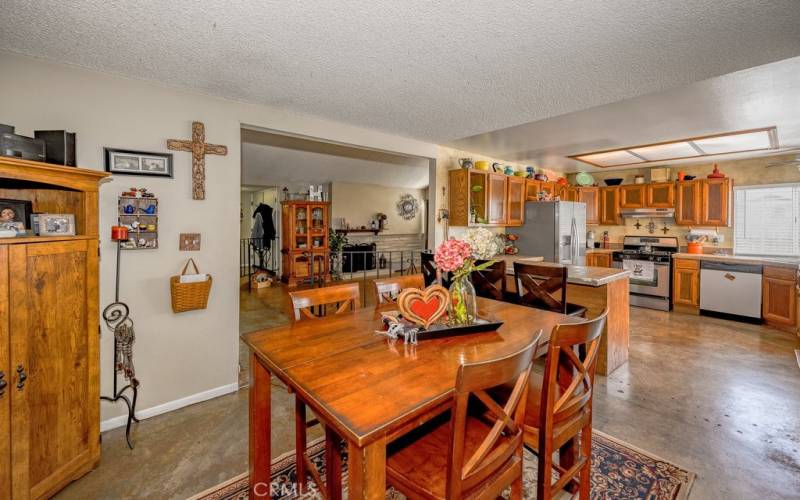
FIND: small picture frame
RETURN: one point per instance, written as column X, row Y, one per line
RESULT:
column 13, row 212
column 56, row 225
column 126, row 162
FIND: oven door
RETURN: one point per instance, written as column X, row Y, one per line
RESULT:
column 659, row 286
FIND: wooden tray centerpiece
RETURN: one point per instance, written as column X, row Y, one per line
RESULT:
column 423, row 315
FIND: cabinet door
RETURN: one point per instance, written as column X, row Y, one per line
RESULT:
column 516, row 201
column 549, row 188
column 497, row 198
column 478, row 196
column 54, row 342
column 686, row 283
column 590, row 196
column 532, row 188
column 609, row 204
column 5, row 381
column 714, row 211
column 632, row 196
column 779, row 295
column 591, row 259
column 687, row 203
column 661, row 195
column 603, row 260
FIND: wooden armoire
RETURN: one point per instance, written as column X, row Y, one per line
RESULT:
column 304, row 241
column 49, row 334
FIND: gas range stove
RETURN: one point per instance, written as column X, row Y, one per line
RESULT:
column 649, row 259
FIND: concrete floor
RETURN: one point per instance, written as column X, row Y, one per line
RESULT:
column 717, row 397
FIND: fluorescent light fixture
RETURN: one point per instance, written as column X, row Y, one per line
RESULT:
column 693, row 147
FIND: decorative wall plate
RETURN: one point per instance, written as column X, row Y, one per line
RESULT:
column 407, row 207
column 423, row 307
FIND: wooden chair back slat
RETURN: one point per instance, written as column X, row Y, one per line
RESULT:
column 472, row 381
column 542, row 286
column 490, row 282
column 387, row 289
column 344, row 298
column 430, row 273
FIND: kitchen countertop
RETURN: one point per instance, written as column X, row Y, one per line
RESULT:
column 741, row 259
column 576, row 275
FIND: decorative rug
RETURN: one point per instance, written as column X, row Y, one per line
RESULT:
column 619, row 471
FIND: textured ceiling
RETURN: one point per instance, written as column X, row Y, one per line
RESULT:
column 764, row 96
column 436, row 71
column 275, row 160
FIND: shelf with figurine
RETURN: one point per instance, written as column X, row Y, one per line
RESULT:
column 138, row 212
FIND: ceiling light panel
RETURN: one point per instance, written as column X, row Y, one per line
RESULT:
column 736, row 142
column 665, row 151
column 610, row 158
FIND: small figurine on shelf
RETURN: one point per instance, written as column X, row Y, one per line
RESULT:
column 509, row 247
column 716, row 174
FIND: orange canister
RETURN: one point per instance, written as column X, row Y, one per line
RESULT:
column 695, row 247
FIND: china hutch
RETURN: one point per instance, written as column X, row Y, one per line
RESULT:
column 49, row 312
column 304, row 241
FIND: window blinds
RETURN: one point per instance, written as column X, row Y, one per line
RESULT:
column 766, row 220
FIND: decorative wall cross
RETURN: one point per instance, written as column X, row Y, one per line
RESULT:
column 199, row 149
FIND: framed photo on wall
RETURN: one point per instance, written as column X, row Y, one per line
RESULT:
column 122, row 161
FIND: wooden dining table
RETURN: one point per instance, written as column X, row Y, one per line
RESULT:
column 368, row 389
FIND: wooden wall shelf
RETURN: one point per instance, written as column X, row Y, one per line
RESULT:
column 348, row 231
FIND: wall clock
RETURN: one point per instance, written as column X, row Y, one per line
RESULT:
column 407, row 207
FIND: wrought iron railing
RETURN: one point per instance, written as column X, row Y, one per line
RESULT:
column 259, row 254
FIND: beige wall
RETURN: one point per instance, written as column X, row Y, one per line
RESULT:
column 447, row 159
column 358, row 203
column 743, row 172
column 186, row 357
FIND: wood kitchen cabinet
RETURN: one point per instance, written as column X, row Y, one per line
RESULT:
column 660, row 195
column 497, row 198
column 590, row 196
column 609, row 206
column 632, row 196
column 686, row 283
column 515, row 201
column 49, row 343
column 532, row 188
column 715, row 202
column 687, row 203
column 779, row 297
column 566, row 192
column 548, row 188
column 598, row 259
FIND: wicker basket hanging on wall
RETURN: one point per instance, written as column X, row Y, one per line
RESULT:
column 189, row 296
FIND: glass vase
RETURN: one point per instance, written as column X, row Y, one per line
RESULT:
column 463, row 307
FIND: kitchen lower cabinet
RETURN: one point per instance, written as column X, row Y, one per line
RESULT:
column 686, row 282
column 598, row 259
column 779, row 297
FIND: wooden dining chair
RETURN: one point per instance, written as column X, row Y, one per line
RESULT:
column 387, row 289
column 429, row 272
column 343, row 299
column 490, row 282
column 468, row 454
column 545, row 287
column 559, row 408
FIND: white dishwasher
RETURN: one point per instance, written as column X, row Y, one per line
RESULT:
column 733, row 289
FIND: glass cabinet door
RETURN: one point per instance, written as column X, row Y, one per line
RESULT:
column 301, row 226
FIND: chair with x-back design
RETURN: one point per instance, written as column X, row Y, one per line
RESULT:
column 490, row 282
column 471, row 454
column 333, row 300
column 559, row 408
column 387, row 289
column 544, row 286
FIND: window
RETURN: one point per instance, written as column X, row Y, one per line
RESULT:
column 766, row 220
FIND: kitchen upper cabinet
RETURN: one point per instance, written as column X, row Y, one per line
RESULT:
column 779, row 297
column 566, row 192
column 686, row 282
column 632, row 196
column 715, row 202
column 687, row 203
column 548, row 187
column 532, row 188
column 660, row 195
column 515, row 199
column 497, row 198
column 609, row 206
column 590, row 196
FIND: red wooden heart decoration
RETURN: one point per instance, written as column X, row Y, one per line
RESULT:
column 423, row 307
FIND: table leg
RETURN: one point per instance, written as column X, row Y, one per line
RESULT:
column 260, row 429
column 367, row 468
column 333, row 464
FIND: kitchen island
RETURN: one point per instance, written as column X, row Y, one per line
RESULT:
column 595, row 288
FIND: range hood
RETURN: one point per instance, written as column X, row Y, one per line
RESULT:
column 647, row 213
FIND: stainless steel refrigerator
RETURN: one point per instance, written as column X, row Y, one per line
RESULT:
column 555, row 230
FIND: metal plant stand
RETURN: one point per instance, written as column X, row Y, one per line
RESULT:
column 116, row 316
